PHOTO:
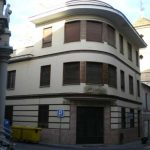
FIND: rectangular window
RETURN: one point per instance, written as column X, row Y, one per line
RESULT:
column 122, row 80
column 93, row 73
column 47, row 37
column 123, row 118
column 129, row 51
column 131, row 90
column 94, row 31
column 121, row 44
column 112, row 76
column 111, row 35
column 11, row 79
column 138, row 88
column 43, row 116
column 131, row 118
column 45, row 75
column 72, row 31
column 71, row 74
column 137, row 58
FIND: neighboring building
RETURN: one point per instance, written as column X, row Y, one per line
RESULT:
column 142, row 25
column 85, row 69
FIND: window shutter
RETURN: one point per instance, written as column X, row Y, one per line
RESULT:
column 47, row 37
column 111, row 36
column 112, row 79
column 45, row 76
column 94, row 31
column 72, row 31
column 94, row 73
column 71, row 73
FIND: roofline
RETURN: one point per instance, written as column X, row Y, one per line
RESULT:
column 105, row 11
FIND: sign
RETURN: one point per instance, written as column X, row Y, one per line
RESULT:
column 60, row 113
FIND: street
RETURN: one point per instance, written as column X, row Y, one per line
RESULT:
column 130, row 146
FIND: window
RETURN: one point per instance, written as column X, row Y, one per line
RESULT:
column 9, row 113
column 43, row 116
column 111, row 35
column 71, row 73
column 93, row 73
column 11, row 79
column 45, row 76
column 131, row 91
column 122, row 80
column 47, row 37
column 72, row 31
column 112, row 76
column 123, row 117
column 121, row 44
column 146, row 102
column 137, row 58
column 131, row 118
column 129, row 51
column 138, row 88
column 94, row 31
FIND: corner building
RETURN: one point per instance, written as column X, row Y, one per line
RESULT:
column 85, row 63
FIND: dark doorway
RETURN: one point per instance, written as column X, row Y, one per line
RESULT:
column 90, row 125
column 9, row 113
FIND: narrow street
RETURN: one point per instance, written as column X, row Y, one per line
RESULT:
column 130, row 146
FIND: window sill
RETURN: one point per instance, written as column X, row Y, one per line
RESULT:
column 45, row 86
column 10, row 89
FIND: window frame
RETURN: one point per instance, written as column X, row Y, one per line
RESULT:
column 45, row 42
column 121, row 44
column 122, row 80
column 111, row 35
column 131, row 85
column 66, row 78
column 11, row 79
column 45, row 82
column 68, row 35
column 130, row 57
column 112, row 82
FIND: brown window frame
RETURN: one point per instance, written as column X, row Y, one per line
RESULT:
column 73, row 69
column 94, row 31
column 72, row 31
column 47, row 39
column 45, row 71
column 94, row 73
column 11, row 77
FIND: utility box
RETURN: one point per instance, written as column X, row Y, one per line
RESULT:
column 27, row 134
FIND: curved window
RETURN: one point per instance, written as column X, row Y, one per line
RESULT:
column 94, row 73
column 111, row 35
column 112, row 76
column 72, row 31
column 94, row 31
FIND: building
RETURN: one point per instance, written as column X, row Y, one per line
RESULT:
column 142, row 25
column 80, row 82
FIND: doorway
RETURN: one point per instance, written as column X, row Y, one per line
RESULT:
column 90, row 125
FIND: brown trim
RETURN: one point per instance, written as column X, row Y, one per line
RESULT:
column 69, row 95
column 81, row 51
column 82, row 72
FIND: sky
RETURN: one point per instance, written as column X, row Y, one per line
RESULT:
column 22, row 29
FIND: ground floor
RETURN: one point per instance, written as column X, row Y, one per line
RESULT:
column 82, row 120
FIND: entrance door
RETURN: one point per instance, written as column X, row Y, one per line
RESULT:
column 90, row 125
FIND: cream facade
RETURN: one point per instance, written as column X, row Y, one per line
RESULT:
column 108, row 111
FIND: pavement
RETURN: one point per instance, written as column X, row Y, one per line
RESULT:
column 136, row 145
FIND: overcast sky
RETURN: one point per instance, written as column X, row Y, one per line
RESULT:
column 23, row 9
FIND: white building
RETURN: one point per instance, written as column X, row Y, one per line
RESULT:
column 85, row 64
